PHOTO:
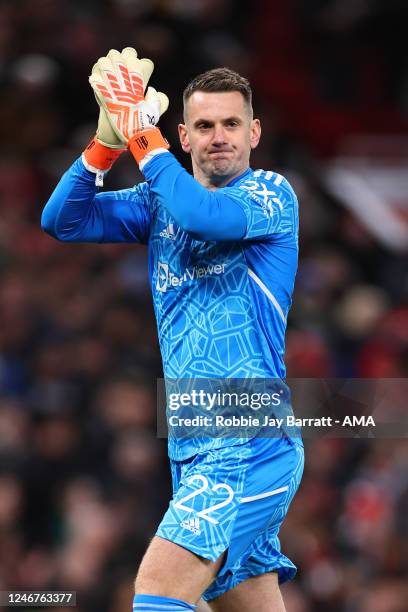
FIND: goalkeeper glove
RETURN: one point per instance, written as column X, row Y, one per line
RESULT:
column 147, row 140
column 121, row 77
column 120, row 95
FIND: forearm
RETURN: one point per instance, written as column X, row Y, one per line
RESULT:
column 205, row 214
column 70, row 214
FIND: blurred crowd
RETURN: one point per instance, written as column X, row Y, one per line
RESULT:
column 83, row 479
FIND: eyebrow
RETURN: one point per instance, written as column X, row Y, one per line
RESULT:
column 226, row 120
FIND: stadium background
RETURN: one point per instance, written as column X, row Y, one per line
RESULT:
column 83, row 480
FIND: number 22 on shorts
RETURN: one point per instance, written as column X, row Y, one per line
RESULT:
column 180, row 504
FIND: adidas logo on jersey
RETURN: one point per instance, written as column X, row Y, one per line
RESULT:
column 168, row 232
column 192, row 525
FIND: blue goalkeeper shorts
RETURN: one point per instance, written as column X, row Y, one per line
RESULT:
column 234, row 499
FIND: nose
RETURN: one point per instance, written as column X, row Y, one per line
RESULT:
column 219, row 137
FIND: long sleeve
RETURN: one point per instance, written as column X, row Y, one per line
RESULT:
column 259, row 205
column 76, row 213
column 207, row 215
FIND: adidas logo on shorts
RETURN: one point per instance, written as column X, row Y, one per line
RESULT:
column 168, row 232
column 192, row 525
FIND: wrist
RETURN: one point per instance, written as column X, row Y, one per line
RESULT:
column 99, row 156
column 147, row 143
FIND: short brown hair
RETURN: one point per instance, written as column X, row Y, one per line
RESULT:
column 220, row 80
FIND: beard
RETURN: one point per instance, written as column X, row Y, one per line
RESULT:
column 221, row 166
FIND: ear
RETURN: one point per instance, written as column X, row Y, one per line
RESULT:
column 185, row 145
column 255, row 133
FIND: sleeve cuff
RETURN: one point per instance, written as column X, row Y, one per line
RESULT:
column 150, row 156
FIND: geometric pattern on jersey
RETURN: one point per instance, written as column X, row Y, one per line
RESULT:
column 226, row 412
column 235, row 498
column 221, row 307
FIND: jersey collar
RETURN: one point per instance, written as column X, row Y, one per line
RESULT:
column 238, row 178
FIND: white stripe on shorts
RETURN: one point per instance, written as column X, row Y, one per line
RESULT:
column 244, row 500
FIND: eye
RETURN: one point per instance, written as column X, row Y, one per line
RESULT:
column 203, row 126
column 232, row 123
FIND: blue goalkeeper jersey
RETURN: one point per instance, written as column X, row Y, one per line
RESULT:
column 222, row 265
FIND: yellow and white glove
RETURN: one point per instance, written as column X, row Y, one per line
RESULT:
column 119, row 81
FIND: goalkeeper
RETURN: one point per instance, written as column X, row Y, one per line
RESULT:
column 222, row 262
